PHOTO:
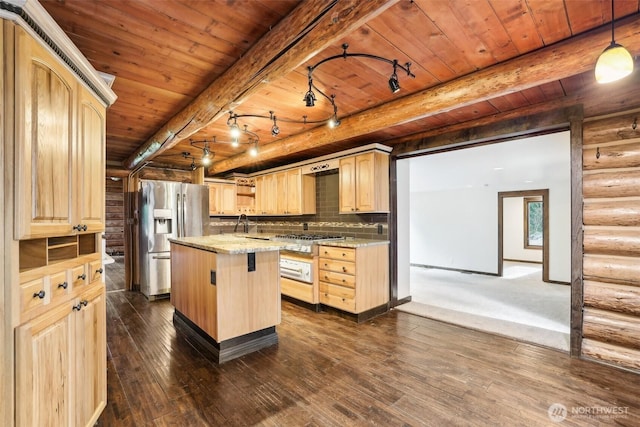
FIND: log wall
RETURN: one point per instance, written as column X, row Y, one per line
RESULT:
column 611, row 241
column 114, row 213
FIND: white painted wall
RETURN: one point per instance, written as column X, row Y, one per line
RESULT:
column 453, row 202
column 513, row 232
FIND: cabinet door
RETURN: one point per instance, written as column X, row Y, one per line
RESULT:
column 365, row 182
column 281, row 192
column 347, row 185
column 90, row 358
column 45, row 142
column 228, row 195
column 90, row 165
column 214, row 199
column 43, row 362
column 259, row 207
column 269, row 199
column 294, row 191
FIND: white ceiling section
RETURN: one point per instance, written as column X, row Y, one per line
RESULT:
column 505, row 166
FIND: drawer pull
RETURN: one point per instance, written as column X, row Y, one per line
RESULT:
column 343, row 254
column 326, row 265
column 326, row 277
column 80, row 304
column 100, row 270
column 343, row 281
column 82, row 276
column 40, row 294
column 63, row 285
column 344, row 269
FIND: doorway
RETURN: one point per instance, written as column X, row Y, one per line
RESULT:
column 530, row 241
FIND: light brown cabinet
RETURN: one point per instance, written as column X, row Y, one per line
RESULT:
column 364, row 183
column 60, row 181
column 222, row 198
column 55, row 361
column 287, row 192
column 61, row 364
column 354, row 279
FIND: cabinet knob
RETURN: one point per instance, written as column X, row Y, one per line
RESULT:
column 326, row 277
column 40, row 294
column 343, row 254
column 84, row 302
column 82, row 276
column 78, row 227
column 77, row 307
column 352, row 209
column 100, row 270
column 84, row 227
column 344, row 269
column 63, row 285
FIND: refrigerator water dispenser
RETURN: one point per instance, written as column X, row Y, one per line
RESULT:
column 162, row 221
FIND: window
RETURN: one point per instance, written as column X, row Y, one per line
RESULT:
column 533, row 222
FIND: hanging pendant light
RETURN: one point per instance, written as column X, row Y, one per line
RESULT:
column 615, row 62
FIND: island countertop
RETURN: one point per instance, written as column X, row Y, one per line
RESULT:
column 229, row 244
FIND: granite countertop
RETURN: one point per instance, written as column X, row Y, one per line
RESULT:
column 229, row 244
column 354, row 243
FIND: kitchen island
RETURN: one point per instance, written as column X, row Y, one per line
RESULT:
column 226, row 292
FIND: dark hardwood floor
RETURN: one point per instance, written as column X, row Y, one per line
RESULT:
column 395, row 370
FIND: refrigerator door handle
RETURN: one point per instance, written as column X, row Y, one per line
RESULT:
column 183, row 209
column 161, row 257
column 179, row 210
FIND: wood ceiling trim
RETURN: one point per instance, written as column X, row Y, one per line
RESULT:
column 284, row 48
column 561, row 60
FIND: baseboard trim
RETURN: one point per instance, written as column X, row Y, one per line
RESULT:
column 459, row 270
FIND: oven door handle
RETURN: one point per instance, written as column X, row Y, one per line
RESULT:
column 295, row 270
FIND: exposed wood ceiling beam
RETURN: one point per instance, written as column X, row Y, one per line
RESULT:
column 295, row 39
column 558, row 61
column 619, row 97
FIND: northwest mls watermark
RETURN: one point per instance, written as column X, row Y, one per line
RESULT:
column 558, row 412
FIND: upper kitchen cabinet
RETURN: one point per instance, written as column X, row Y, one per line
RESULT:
column 222, row 198
column 364, row 183
column 90, row 162
column 61, row 129
column 287, row 192
column 45, row 110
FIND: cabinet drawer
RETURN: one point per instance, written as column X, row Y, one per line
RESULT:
column 31, row 294
column 59, row 285
column 345, row 267
column 95, row 270
column 78, row 276
column 298, row 290
column 345, row 254
column 338, row 278
column 337, row 297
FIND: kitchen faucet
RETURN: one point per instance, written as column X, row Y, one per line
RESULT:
column 245, row 225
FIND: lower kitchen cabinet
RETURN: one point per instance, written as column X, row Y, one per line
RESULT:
column 354, row 280
column 61, row 374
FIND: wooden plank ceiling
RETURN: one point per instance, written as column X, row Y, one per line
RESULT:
column 180, row 67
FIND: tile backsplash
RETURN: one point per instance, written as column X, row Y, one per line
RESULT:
column 326, row 220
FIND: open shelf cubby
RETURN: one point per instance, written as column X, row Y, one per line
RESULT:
column 37, row 253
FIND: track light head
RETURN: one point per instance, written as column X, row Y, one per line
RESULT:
column 275, row 130
column 394, row 85
column 253, row 151
column 310, row 99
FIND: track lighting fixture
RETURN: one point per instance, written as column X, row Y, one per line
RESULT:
column 234, row 130
column 188, row 155
column 615, row 62
column 394, row 85
column 207, row 155
column 241, row 136
column 275, row 130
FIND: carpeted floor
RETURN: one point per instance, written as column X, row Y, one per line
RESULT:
column 518, row 305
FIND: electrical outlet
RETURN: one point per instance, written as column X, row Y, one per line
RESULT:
column 379, row 228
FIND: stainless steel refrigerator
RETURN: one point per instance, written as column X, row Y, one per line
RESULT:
column 167, row 210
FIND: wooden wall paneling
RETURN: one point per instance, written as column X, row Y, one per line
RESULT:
column 612, row 241
column 612, row 297
column 611, row 212
column 611, row 260
column 576, row 120
column 612, row 183
column 616, row 269
column 611, row 354
column 613, row 328
column 115, row 218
